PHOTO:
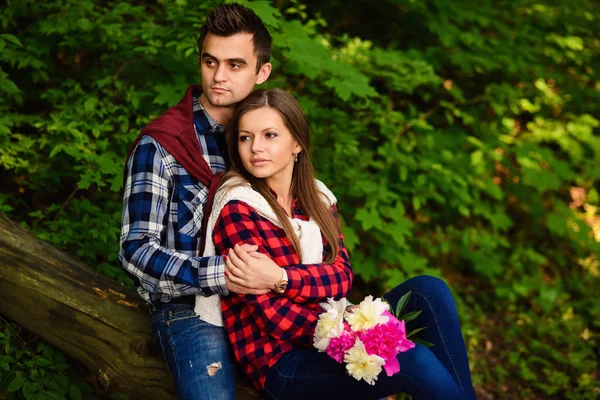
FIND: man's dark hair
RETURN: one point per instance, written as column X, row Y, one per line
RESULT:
column 230, row 19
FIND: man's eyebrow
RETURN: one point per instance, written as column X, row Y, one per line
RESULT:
column 238, row 61
column 234, row 60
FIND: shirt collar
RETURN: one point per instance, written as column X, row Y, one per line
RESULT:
column 295, row 208
column 197, row 108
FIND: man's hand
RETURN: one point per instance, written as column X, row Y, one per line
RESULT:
column 250, row 272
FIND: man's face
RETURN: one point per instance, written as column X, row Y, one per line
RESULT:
column 228, row 67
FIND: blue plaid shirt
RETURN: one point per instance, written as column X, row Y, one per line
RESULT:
column 163, row 207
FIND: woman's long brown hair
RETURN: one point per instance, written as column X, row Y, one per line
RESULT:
column 303, row 187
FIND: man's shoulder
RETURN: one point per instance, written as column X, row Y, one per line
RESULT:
column 147, row 144
column 149, row 151
column 175, row 120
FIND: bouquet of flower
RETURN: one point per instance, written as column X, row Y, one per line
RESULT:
column 367, row 337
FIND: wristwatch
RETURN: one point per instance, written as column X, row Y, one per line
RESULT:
column 282, row 284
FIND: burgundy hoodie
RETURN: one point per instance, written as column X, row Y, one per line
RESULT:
column 175, row 131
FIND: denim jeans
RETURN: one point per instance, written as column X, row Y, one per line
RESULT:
column 198, row 354
column 438, row 372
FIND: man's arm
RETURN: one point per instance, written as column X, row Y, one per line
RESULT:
column 306, row 282
column 157, row 269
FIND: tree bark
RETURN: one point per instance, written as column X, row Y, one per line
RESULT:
column 88, row 316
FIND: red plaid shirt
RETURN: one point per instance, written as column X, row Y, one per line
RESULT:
column 263, row 328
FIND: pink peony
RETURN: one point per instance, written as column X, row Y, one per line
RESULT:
column 340, row 345
column 370, row 340
column 391, row 366
column 386, row 341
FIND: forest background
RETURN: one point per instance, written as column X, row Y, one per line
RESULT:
column 461, row 139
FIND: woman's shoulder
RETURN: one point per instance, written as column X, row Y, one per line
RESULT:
column 326, row 194
column 239, row 197
column 239, row 207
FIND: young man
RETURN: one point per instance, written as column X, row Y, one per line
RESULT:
column 168, row 176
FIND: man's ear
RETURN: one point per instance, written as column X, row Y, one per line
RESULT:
column 264, row 73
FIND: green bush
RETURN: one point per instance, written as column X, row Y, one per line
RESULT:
column 462, row 141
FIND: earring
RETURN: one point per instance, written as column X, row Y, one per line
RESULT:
column 295, row 157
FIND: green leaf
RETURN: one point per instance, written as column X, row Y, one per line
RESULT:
column 424, row 342
column 415, row 331
column 59, row 367
column 62, row 380
column 8, row 359
column 547, row 297
column 369, row 217
column 29, row 389
column 412, row 262
column 74, row 393
column 11, row 38
column 351, row 83
column 402, row 303
column 189, row 51
column 167, row 94
column 15, row 385
column 265, row 11
column 42, row 362
column 557, row 224
column 7, row 85
column 410, row 316
column 351, row 239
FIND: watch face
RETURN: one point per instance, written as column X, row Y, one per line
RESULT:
column 281, row 287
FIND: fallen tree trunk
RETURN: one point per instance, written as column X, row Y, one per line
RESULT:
column 88, row 316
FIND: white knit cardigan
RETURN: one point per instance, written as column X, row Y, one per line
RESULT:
column 308, row 233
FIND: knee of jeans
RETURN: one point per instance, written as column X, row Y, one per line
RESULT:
column 428, row 282
column 419, row 358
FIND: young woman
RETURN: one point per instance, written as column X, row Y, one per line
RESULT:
column 271, row 199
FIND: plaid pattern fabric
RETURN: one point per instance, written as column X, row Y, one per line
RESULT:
column 263, row 328
column 163, row 207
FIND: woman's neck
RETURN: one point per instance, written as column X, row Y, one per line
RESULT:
column 283, row 189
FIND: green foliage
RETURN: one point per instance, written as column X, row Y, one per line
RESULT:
column 43, row 374
column 461, row 141
column 413, row 334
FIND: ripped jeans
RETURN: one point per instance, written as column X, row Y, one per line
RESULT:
column 198, row 354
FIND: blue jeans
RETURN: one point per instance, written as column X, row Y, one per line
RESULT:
column 438, row 372
column 198, row 354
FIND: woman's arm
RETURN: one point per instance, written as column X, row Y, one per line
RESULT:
column 317, row 282
column 306, row 282
column 278, row 315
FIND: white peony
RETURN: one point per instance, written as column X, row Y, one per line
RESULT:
column 331, row 323
column 368, row 314
column 361, row 365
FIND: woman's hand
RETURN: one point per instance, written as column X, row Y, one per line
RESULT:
column 351, row 308
column 250, row 272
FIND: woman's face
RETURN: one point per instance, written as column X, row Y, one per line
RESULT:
column 266, row 145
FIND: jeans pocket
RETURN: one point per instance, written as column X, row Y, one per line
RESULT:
column 176, row 315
